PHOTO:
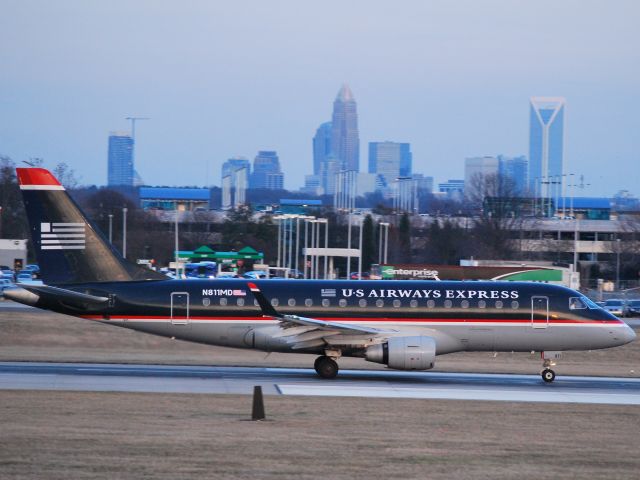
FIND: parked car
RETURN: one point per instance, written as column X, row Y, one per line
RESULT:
column 8, row 274
column 634, row 308
column 355, row 276
column 4, row 284
column 616, row 306
column 226, row 275
column 255, row 275
column 34, row 269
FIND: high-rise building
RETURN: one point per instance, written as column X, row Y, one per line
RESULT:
column 121, row 171
column 266, row 171
column 390, row 160
column 546, row 138
column 345, row 140
column 516, row 170
column 235, row 167
column 321, row 146
column 477, row 171
column 452, row 188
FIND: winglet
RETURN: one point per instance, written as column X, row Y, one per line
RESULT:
column 265, row 305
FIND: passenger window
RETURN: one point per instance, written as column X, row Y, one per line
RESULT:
column 413, row 303
column 255, row 303
column 206, row 302
column 576, row 303
column 308, row 302
column 515, row 305
column 379, row 303
column 431, row 304
column 362, row 302
column 499, row 304
column 448, row 303
column 223, row 301
column 396, row 303
column 240, row 302
column 325, row 302
column 291, row 302
column 464, row 303
column 482, row 304
column 275, row 302
column 342, row 302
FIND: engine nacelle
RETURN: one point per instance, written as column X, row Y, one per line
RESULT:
column 404, row 353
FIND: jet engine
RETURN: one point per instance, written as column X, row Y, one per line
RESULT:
column 404, row 353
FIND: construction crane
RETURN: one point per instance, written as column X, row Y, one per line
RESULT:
column 133, row 121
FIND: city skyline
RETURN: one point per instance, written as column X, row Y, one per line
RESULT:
column 452, row 93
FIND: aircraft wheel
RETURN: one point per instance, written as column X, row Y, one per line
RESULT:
column 548, row 375
column 326, row 367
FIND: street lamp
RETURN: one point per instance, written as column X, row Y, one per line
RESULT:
column 383, row 259
column 360, row 250
column 124, row 232
column 618, row 264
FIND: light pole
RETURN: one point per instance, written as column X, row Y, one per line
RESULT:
column 176, row 239
column 386, row 241
column 110, row 228
column 124, row 232
column 320, row 221
column 618, row 264
column 360, row 251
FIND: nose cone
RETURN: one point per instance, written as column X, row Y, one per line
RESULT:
column 629, row 334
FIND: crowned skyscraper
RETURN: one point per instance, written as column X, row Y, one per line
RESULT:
column 546, row 137
column 345, row 141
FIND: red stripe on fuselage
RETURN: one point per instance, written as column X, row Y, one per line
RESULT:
column 358, row 319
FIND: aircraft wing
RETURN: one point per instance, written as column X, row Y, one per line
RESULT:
column 305, row 332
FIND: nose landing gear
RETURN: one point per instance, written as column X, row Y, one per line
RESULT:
column 547, row 374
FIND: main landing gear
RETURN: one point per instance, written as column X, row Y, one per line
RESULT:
column 547, row 374
column 326, row 367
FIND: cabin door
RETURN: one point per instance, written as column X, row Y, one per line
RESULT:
column 539, row 312
column 180, row 308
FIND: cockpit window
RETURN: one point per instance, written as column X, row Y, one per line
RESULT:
column 590, row 303
column 577, row 303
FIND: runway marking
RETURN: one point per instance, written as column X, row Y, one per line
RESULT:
column 461, row 394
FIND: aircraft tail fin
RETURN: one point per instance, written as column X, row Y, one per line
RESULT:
column 69, row 248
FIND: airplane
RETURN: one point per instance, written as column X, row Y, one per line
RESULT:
column 403, row 324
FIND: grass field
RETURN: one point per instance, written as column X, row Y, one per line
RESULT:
column 62, row 435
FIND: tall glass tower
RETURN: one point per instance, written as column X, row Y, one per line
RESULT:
column 546, row 137
column 345, row 140
column 321, row 147
column 120, row 164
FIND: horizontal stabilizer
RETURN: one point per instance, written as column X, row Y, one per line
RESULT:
column 77, row 299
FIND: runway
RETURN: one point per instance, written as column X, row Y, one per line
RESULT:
column 288, row 381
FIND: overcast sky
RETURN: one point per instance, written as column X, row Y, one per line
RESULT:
column 221, row 79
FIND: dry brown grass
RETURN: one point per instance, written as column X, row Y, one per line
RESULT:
column 65, row 435
column 33, row 335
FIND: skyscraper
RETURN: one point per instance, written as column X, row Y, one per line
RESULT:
column 516, row 170
column 546, row 137
column 477, row 173
column 321, row 146
column 266, row 171
column 345, row 141
column 390, row 160
column 234, row 167
column 121, row 171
